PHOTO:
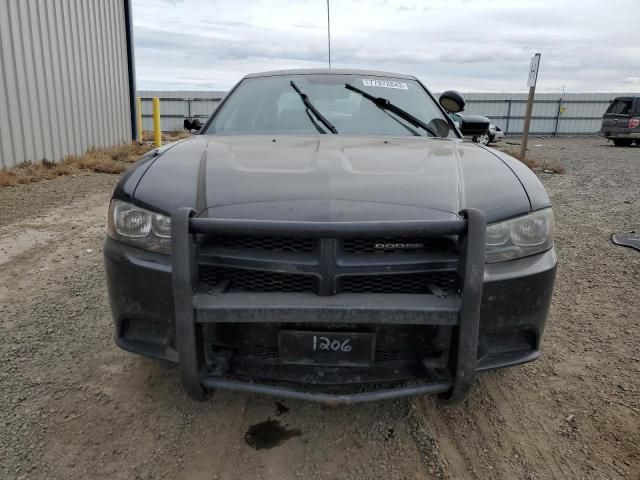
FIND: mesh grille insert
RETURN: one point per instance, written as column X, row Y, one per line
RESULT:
column 383, row 356
column 266, row 353
column 403, row 283
column 369, row 246
column 273, row 244
column 256, row 281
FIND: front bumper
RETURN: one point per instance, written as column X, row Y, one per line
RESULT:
column 509, row 330
column 624, row 135
column 497, row 136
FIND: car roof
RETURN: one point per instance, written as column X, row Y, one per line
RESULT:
column 330, row 71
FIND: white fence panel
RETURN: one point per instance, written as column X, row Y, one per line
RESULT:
column 553, row 113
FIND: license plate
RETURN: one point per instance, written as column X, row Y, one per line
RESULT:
column 333, row 349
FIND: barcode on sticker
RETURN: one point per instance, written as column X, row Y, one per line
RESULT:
column 384, row 84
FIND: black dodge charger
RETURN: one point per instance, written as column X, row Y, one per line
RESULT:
column 328, row 235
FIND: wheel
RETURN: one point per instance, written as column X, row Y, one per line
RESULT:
column 622, row 142
column 483, row 139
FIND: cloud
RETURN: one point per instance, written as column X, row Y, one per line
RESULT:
column 406, row 8
column 469, row 45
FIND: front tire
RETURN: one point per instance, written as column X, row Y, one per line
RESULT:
column 483, row 139
column 622, row 142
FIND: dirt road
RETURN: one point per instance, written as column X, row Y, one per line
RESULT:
column 74, row 406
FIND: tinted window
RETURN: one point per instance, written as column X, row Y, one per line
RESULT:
column 271, row 105
column 620, row 107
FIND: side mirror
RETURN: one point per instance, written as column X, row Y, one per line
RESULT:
column 452, row 101
column 192, row 125
column 472, row 125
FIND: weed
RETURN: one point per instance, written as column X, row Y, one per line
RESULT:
column 104, row 160
column 48, row 163
column 535, row 164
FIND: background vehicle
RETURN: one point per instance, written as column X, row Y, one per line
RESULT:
column 493, row 135
column 621, row 121
column 330, row 228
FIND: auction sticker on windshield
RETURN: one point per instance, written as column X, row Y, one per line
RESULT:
column 385, row 84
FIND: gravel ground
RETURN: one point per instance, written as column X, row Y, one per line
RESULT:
column 74, row 406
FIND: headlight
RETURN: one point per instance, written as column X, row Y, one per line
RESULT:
column 137, row 226
column 520, row 237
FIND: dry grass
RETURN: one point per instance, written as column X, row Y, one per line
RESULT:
column 104, row 160
column 535, row 164
column 7, row 179
column 147, row 136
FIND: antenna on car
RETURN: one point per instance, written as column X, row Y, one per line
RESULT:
column 329, row 33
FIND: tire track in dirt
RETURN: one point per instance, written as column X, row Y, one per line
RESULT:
column 515, row 425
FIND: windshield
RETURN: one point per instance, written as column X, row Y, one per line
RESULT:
column 273, row 105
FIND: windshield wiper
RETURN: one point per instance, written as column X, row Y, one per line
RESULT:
column 310, row 106
column 385, row 104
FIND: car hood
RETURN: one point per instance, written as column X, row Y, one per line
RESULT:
column 331, row 178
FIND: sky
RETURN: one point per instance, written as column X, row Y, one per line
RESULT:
column 468, row 45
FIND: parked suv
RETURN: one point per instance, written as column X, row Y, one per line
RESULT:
column 328, row 235
column 621, row 121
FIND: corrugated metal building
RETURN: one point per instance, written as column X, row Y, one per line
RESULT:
column 66, row 77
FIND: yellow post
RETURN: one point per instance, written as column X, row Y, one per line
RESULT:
column 157, row 133
column 139, row 119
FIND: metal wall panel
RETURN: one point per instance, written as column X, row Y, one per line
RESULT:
column 177, row 105
column 581, row 113
column 63, row 78
column 582, row 116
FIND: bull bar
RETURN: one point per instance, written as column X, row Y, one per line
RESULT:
column 193, row 307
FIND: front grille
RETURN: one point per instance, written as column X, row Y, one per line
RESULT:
column 238, row 280
column 401, row 283
column 373, row 246
column 272, row 244
column 255, row 280
column 329, row 265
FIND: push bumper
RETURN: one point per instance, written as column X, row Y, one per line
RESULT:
column 488, row 320
column 190, row 309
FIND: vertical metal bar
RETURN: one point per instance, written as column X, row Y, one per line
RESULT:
column 131, row 64
column 139, row 119
column 555, row 131
column 184, row 277
column 471, row 271
column 157, row 132
column 508, row 117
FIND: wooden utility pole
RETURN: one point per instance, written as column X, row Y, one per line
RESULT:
column 533, row 77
